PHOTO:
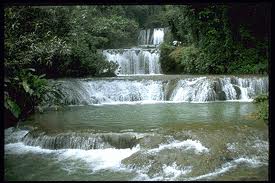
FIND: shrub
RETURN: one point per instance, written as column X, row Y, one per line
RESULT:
column 263, row 106
column 168, row 64
column 25, row 91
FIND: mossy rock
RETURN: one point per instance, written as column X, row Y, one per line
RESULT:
column 217, row 86
column 221, row 95
column 169, row 88
column 238, row 91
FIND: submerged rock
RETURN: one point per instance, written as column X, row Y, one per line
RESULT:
column 120, row 141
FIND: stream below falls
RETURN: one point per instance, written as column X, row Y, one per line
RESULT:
column 162, row 141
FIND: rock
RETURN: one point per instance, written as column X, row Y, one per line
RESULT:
column 238, row 91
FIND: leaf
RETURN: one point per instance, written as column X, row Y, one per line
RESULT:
column 31, row 69
column 43, row 75
column 16, row 78
column 31, row 91
column 26, row 86
column 13, row 107
column 7, row 80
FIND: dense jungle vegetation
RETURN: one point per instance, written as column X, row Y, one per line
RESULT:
column 218, row 40
column 65, row 41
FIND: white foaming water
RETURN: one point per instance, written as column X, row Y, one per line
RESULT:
column 261, row 144
column 21, row 148
column 252, row 162
column 100, row 158
column 173, row 171
column 108, row 92
column 151, row 37
column 252, row 86
column 158, row 36
column 169, row 172
column 186, row 145
column 135, row 61
column 16, row 136
column 203, row 89
column 196, row 90
column 244, row 93
column 139, row 75
column 228, row 89
column 97, row 159
column 144, row 37
column 231, row 146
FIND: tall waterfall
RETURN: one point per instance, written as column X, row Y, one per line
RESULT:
column 189, row 89
column 139, row 60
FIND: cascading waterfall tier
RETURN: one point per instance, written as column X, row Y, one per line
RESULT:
column 151, row 36
column 135, row 60
column 73, row 140
column 224, row 88
column 139, row 60
column 161, row 89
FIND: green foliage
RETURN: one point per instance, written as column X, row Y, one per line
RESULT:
column 187, row 59
column 260, row 98
column 64, row 41
column 147, row 16
column 262, row 105
column 107, row 29
column 25, row 91
column 11, row 106
column 30, row 33
column 263, row 110
column 60, row 41
column 168, row 64
column 222, row 43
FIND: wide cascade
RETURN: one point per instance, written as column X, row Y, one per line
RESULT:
column 161, row 89
column 143, row 59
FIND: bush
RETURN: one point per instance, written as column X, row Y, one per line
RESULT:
column 223, row 42
column 168, row 64
column 187, row 59
column 184, row 59
column 25, row 91
column 260, row 98
column 263, row 106
column 62, row 42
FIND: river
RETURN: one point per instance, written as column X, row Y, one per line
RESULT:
column 165, row 141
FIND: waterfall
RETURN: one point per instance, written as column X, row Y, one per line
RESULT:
column 151, row 37
column 144, row 37
column 139, row 60
column 83, row 140
column 158, row 36
column 188, row 89
column 203, row 89
column 105, row 91
column 135, row 61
